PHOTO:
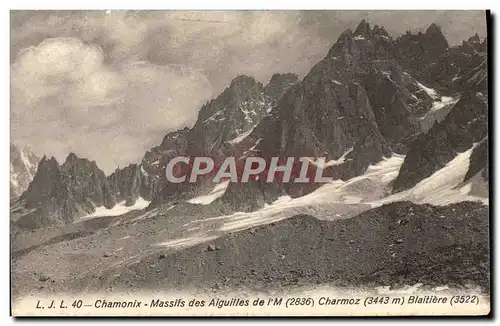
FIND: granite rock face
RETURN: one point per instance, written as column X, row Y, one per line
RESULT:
column 60, row 193
column 364, row 101
column 458, row 67
column 479, row 161
column 416, row 51
column 220, row 131
column 358, row 99
column 466, row 124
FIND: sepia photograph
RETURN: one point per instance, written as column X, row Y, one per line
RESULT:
column 249, row 163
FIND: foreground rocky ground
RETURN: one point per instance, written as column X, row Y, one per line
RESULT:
column 397, row 244
column 393, row 245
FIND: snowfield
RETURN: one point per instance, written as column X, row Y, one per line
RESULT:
column 119, row 209
column 431, row 92
column 217, row 192
column 342, row 199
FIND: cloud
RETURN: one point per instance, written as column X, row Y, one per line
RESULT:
column 64, row 93
column 109, row 84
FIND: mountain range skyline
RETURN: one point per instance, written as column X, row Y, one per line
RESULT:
column 131, row 94
column 401, row 120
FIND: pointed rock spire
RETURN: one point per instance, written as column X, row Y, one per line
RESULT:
column 53, row 161
column 474, row 39
column 380, row 31
column 433, row 28
column 243, row 81
column 347, row 34
column 434, row 38
column 72, row 157
column 363, row 29
column 279, row 84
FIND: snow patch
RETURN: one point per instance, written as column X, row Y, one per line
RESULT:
column 335, row 200
column 444, row 101
column 26, row 163
column 118, row 209
column 444, row 187
column 144, row 173
column 217, row 192
column 242, row 136
column 431, row 92
column 336, row 162
column 341, row 199
column 215, row 117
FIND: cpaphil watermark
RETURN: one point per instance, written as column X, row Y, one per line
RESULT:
column 183, row 169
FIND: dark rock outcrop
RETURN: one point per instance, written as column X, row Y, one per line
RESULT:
column 478, row 161
column 416, row 51
column 234, row 113
column 362, row 102
column 456, row 67
column 467, row 123
column 357, row 97
column 60, row 193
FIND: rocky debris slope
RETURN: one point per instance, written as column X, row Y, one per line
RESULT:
column 23, row 165
column 396, row 244
column 60, row 193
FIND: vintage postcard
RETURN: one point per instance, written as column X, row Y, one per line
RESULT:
column 249, row 163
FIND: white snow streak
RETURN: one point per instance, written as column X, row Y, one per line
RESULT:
column 338, row 161
column 343, row 199
column 119, row 209
column 242, row 136
column 217, row 192
column 27, row 164
column 431, row 92
column 444, row 101
column 444, row 187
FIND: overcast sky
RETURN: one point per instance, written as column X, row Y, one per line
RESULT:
column 108, row 85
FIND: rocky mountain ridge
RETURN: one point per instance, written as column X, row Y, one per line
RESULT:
column 61, row 192
column 363, row 102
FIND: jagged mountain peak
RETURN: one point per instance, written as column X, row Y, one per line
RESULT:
column 279, row 83
column 433, row 28
column 345, row 35
column 363, row 29
column 71, row 157
column 244, row 81
column 60, row 193
column 73, row 161
column 171, row 137
column 278, row 77
column 48, row 161
column 474, row 39
column 435, row 34
column 380, row 31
